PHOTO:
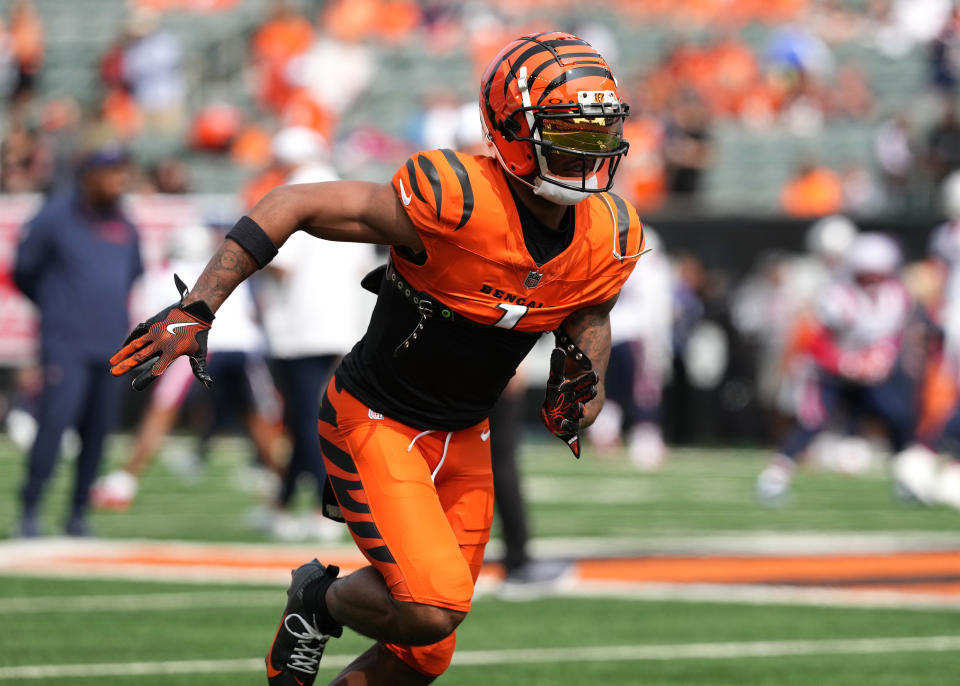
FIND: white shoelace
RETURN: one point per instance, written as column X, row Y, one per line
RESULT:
column 310, row 644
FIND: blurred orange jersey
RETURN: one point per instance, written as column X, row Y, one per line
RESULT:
column 477, row 261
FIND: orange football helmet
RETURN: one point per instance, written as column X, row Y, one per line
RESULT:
column 551, row 110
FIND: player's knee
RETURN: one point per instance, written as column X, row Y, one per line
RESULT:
column 427, row 624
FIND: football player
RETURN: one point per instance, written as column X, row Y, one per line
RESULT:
column 854, row 349
column 487, row 254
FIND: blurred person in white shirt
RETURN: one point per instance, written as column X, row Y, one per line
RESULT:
column 640, row 359
column 306, row 340
column 236, row 357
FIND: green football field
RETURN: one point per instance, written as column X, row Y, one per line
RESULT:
column 86, row 631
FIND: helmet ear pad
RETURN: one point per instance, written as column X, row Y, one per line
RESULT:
column 518, row 156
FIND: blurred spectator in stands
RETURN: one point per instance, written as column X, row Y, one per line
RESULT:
column 153, row 71
column 27, row 45
column 119, row 111
column 77, row 260
column 854, row 346
column 170, row 175
column 862, row 195
column 20, row 161
column 907, row 23
column 895, row 158
column 59, row 133
column 111, row 67
column 446, row 122
column 252, row 146
column 687, row 146
column 734, row 70
column 6, row 60
column 640, row 359
column 943, row 144
column 283, row 36
column 215, row 127
column 304, row 346
column 642, row 174
column 945, row 56
column 850, row 96
column 813, row 191
column 338, row 67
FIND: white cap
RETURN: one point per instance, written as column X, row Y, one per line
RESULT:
column 950, row 195
column 873, row 253
column 831, row 237
column 296, row 145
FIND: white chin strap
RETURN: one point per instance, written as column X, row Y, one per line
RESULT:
column 560, row 195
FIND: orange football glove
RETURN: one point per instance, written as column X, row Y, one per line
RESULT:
column 563, row 403
column 177, row 330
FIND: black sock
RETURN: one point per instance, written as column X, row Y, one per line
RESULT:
column 325, row 621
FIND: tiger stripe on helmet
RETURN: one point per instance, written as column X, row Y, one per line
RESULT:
column 540, row 48
column 572, row 75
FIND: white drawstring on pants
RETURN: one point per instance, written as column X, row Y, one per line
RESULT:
column 443, row 457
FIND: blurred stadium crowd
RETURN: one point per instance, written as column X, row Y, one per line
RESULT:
column 834, row 113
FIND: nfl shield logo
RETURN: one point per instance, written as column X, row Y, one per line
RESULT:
column 533, row 278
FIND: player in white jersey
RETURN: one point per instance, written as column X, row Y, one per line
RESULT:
column 854, row 351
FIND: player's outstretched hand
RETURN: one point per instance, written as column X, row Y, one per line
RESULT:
column 177, row 330
column 564, row 400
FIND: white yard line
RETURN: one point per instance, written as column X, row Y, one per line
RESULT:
column 141, row 602
column 681, row 651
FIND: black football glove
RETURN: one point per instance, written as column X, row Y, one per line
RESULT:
column 174, row 331
column 563, row 403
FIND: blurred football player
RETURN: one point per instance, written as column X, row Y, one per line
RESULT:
column 917, row 471
column 854, row 349
column 487, row 254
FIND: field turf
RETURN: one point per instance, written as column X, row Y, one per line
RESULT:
column 80, row 631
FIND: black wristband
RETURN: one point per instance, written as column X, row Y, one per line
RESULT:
column 248, row 234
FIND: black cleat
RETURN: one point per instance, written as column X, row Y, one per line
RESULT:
column 303, row 634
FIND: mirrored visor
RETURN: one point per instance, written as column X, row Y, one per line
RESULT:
column 583, row 134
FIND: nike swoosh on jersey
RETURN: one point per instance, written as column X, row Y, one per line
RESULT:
column 403, row 194
column 484, row 435
column 172, row 328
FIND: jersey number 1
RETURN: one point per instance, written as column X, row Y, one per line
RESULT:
column 511, row 315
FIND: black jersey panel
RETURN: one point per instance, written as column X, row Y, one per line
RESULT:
column 447, row 380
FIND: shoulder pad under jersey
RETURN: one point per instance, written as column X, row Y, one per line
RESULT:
column 627, row 240
column 435, row 189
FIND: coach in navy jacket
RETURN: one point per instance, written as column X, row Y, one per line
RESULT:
column 76, row 261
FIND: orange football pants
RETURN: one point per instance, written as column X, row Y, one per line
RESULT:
column 419, row 505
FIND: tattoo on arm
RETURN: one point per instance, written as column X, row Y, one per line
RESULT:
column 223, row 273
column 590, row 330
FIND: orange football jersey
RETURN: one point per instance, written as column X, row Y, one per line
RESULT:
column 477, row 262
